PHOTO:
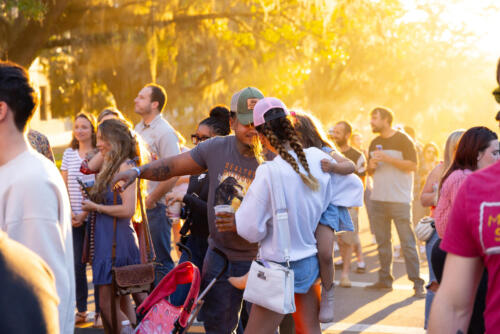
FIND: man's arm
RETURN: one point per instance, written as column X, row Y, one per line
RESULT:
column 161, row 170
column 161, row 189
column 452, row 306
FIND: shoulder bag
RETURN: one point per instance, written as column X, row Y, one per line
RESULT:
column 271, row 285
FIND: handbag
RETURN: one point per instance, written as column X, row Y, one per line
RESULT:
column 135, row 278
column 424, row 228
column 270, row 284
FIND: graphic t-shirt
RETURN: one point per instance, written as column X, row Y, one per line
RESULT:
column 390, row 184
column 230, row 174
column 359, row 160
column 474, row 231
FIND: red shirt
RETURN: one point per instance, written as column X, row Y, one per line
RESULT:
column 474, row 231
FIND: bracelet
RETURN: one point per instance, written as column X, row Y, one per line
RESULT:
column 137, row 170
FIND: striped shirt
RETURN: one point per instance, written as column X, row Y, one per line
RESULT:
column 71, row 163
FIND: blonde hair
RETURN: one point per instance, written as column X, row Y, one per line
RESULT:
column 451, row 147
column 280, row 131
column 125, row 145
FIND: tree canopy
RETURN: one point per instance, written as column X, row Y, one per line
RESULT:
column 335, row 58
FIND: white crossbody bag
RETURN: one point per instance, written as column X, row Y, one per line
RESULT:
column 270, row 284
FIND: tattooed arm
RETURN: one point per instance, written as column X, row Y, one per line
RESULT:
column 452, row 306
column 160, row 170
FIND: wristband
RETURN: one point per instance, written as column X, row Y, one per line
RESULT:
column 137, row 170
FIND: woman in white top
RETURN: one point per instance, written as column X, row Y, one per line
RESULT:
column 83, row 143
column 308, row 192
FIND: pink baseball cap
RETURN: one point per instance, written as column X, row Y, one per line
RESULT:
column 267, row 109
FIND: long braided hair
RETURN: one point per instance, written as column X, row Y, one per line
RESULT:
column 281, row 131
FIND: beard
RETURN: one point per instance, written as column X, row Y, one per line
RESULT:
column 341, row 142
column 376, row 129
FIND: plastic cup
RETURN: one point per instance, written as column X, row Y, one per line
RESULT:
column 223, row 208
column 221, row 211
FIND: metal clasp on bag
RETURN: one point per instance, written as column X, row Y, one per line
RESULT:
column 287, row 260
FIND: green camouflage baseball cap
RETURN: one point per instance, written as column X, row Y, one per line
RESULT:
column 246, row 101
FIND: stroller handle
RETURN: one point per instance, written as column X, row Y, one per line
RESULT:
column 226, row 262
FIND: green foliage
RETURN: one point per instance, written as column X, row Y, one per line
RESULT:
column 336, row 58
column 32, row 9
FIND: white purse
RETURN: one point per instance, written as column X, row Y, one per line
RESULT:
column 270, row 284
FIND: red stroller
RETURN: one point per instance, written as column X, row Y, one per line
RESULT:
column 161, row 317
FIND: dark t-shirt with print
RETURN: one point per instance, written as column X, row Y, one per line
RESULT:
column 230, row 174
column 390, row 184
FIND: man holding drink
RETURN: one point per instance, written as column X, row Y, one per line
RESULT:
column 392, row 162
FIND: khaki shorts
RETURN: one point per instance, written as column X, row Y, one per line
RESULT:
column 351, row 238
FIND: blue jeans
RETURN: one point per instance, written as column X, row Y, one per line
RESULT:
column 432, row 277
column 161, row 229
column 223, row 303
column 382, row 214
column 82, row 290
column 198, row 246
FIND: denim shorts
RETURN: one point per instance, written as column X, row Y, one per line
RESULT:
column 305, row 272
column 337, row 218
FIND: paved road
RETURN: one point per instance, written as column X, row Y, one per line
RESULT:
column 360, row 311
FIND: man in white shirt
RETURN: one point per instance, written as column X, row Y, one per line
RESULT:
column 162, row 142
column 34, row 203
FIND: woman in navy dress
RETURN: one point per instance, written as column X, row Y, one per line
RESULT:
column 121, row 151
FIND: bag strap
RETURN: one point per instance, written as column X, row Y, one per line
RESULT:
column 150, row 251
column 113, row 247
column 280, row 214
column 114, row 317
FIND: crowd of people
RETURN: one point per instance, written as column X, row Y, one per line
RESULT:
column 57, row 222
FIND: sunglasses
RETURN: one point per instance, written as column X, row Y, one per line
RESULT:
column 195, row 139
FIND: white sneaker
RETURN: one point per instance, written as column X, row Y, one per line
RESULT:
column 326, row 306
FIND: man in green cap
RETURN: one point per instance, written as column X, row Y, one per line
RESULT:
column 231, row 166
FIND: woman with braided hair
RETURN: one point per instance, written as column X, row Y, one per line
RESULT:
column 308, row 193
column 121, row 151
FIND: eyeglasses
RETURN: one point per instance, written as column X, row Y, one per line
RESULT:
column 195, row 139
